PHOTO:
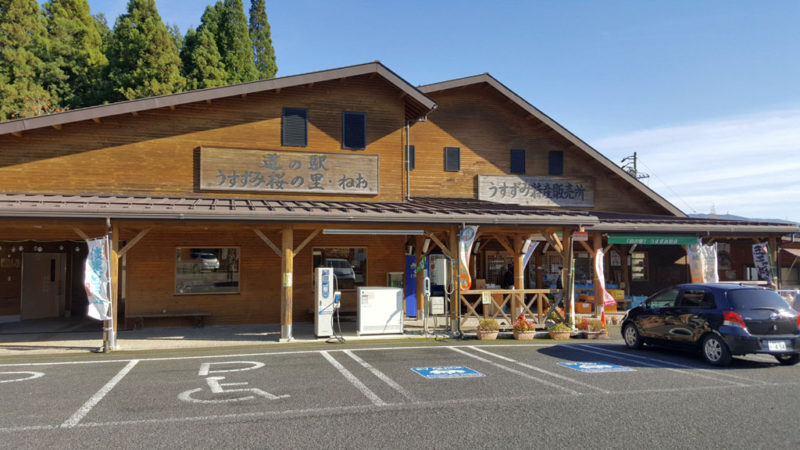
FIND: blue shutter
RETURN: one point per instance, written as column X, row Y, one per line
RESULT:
column 517, row 161
column 452, row 159
column 294, row 127
column 354, row 131
column 556, row 163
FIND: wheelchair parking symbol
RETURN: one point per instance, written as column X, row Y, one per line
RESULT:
column 595, row 367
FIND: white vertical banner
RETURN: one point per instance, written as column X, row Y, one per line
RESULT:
column 96, row 279
column 465, row 240
column 703, row 263
column 710, row 272
column 608, row 299
column 531, row 247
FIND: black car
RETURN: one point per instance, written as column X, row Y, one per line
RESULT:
column 720, row 320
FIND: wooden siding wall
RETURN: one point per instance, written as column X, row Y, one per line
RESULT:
column 152, row 153
column 486, row 126
column 151, row 272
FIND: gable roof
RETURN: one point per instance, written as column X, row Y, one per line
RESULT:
column 558, row 128
column 417, row 103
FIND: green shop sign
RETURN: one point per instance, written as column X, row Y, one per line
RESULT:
column 651, row 239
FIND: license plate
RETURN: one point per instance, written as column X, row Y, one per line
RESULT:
column 775, row 346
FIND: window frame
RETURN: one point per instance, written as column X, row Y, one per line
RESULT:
column 645, row 272
column 364, row 248
column 346, row 114
column 457, row 161
column 283, row 127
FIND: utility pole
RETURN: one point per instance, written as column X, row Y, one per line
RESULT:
column 629, row 164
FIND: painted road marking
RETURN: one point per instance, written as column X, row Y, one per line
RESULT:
column 552, row 374
column 95, row 399
column 205, row 368
column 637, row 359
column 515, row 371
column 438, row 372
column 595, row 367
column 30, row 376
column 352, row 379
column 383, row 377
column 222, row 388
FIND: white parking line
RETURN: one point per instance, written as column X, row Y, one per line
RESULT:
column 95, row 399
column 514, row 371
column 637, row 359
column 547, row 372
column 382, row 376
column 355, row 381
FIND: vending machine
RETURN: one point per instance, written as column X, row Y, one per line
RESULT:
column 324, row 301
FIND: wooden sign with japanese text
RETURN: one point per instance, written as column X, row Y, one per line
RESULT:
column 536, row 191
column 274, row 171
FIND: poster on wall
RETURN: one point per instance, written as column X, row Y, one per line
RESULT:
column 96, row 279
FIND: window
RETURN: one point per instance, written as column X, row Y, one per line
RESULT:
column 517, row 161
column 411, row 157
column 452, row 159
column 697, row 298
column 206, row 270
column 663, row 299
column 354, row 130
column 556, row 163
column 349, row 265
column 294, row 127
column 639, row 266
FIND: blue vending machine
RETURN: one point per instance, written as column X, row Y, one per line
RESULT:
column 411, row 286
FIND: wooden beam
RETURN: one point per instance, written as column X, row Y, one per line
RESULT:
column 553, row 240
column 268, row 242
column 134, row 113
column 16, row 134
column 133, row 242
column 287, row 269
column 442, row 247
column 172, row 107
column 57, row 126
column 96, row 119
column 504, row 243
column 307, row 240
column 81, row 234
column 586, row 247
column 244, row 96
column 208, row 101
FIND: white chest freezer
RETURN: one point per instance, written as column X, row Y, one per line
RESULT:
column 380, row 310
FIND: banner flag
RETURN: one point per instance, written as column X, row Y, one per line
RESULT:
column 465, row 240
column 608, row 299
column 96, row 279
column 703, row 262
column 710, row 272
column 762, row 261
column 529, row 253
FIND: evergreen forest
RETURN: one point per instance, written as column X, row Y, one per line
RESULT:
column 57, row 56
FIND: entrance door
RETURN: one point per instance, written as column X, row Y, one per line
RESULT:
column 43, row 285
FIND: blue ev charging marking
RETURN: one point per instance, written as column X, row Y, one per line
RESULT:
column 447, row 372
column 596, row 367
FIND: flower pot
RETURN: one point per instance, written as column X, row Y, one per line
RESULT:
column 487, row 334
column 559, row 334
column 594, row 334
column 524, row 335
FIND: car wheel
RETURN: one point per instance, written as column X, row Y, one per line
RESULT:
column 715, row 351
column 788, row 359
column 631, row 335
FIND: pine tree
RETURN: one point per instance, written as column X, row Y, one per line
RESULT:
column 76, row 50
column 201, row 60
column 23, row 40
column 262, row 40
column 228, row 24
column 143, row 59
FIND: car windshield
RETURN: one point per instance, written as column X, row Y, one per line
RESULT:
column 756, row 298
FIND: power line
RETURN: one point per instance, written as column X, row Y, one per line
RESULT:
column 671, row 190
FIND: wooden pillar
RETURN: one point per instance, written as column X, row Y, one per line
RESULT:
column 597, row 242
column 455, row 296
column 420, row 276
column 519, row 276
column 568, row 268
column 287, row 269
column 626, row 275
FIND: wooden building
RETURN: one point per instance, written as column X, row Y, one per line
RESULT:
column 223, row 200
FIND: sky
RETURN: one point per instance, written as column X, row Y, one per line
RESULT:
column 707, row 93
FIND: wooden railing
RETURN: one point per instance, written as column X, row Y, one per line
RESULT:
column 526, row 299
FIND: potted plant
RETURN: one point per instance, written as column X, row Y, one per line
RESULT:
column 596, row 330
column 559, row 331
column 523, row 329
column 488, row 329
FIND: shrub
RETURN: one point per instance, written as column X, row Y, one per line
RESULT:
column 488, row 325
column 560, row 327
column 521, row 324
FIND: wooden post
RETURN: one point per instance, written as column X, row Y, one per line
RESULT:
column 568, row 280
column 519, row 276
column 455, row 324
column 287, row 269
column 539, row 261
column 114, row 283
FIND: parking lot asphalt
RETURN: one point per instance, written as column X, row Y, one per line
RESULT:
column 389, row 395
